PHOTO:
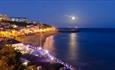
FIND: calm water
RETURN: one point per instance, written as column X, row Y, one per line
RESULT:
column 89, row 49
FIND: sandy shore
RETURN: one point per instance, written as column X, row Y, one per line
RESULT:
column 37, row 39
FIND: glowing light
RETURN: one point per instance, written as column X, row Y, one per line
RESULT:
column 39, row 48
column 42, row 52
column 46, row 51
column 52, row 58
column 15, row 26
column 25, row 63
column 39, row 68
column 73, row 17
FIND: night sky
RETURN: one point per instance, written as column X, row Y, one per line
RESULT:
column 96, row 13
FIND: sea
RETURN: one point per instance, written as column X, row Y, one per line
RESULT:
column 89, row 49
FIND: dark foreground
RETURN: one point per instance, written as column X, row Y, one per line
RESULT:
column 15, row 55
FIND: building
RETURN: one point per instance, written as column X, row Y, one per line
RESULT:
column 4, row 17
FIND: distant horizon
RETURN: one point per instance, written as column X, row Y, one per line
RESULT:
column 57, row 26
column 89, row 28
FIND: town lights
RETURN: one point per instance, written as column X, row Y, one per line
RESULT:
column 39, row 48
column 25, row 63
column 52, row 58
column 46, row 51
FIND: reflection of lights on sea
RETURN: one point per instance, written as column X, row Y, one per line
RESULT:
column 73, row 46
column 50, row 44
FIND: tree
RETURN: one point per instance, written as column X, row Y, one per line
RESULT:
column 9, row 59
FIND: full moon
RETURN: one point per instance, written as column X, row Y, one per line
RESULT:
column 73, row 18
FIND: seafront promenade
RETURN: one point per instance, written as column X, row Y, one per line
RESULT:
column 23, row 42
